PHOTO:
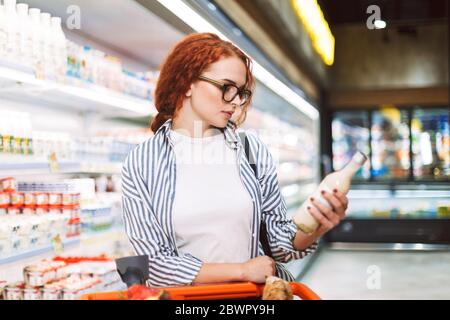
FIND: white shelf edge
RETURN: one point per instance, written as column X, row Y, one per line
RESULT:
column 93, row 93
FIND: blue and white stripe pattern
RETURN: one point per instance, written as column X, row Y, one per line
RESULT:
column 148, row 183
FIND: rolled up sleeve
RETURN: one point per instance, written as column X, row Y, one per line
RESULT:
column 281, row 230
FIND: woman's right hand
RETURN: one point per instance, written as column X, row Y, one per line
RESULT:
column 258, row 269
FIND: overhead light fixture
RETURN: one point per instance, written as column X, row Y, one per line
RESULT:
column 200, row 24
column 317, row 28
column 379, row 24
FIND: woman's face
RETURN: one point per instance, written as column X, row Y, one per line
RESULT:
column 206, row 99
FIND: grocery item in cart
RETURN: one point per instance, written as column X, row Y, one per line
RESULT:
column 277, row 289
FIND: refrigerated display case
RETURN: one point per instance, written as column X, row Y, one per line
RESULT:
column 406, row 197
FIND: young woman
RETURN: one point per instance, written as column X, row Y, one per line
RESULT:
column 192, row 202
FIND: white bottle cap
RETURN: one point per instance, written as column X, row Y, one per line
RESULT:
column 22, row 9
column 9, row 3
column 359, row 158
column 34, row 11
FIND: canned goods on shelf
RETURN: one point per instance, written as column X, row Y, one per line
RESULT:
column 30, row 199
column 8, row 184
column 32, row 293
column 5, row 199
column 50, row 293
column 55, row 198
column 41, row 198
column 14, row 291
column 17, row 199
column 71, row 199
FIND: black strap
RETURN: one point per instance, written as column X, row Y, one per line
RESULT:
column 262, row 230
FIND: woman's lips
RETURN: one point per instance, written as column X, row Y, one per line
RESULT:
column 229, row 114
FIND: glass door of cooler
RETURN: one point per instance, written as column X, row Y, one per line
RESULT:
column 350, row 132
column 431, row 144
column 390, row 144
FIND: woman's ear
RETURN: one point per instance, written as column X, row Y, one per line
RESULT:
column 189, row 92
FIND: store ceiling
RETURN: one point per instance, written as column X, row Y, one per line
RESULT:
column 124, row 26
column 401, row 12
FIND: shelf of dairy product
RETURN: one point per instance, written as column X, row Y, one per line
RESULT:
column 63, row 278
column 38, row 64
column 400, row 204
column 27, row 151
column 37, row 217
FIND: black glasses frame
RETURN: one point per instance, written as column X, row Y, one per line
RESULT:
column 224, row 87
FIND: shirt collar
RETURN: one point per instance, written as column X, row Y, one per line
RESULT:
column 229, row 132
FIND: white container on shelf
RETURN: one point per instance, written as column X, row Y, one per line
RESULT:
column 36, row 36
column 47, row 45
column 3, row 36
column 59, row 50
column 25, row 35
column 12, row 31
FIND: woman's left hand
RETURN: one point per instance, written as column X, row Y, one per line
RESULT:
column 329, row 217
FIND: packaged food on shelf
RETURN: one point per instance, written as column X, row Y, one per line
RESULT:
column 32, row 293
column 14, row 291
column 55, row 199
column 5, row 199
column 17, row 199
column 8, row 184
column 65, row 278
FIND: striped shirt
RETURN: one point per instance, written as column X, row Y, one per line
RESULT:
column 148, row 185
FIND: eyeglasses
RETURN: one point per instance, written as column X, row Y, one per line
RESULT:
column 230, row 91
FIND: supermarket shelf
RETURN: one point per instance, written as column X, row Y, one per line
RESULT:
column 38, row 251
column 42, row 167
column 22, row 85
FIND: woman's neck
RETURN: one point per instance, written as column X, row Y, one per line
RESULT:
column 189, row 124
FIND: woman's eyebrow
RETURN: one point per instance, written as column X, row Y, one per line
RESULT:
column 233, row 82
column 228, row 80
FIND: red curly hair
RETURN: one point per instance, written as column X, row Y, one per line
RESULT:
column 187, row 60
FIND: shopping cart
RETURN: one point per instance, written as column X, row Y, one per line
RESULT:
column 133, row 271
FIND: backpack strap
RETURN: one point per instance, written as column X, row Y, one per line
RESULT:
column 262, row 230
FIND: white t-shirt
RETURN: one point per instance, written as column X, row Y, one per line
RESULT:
column 212, row 210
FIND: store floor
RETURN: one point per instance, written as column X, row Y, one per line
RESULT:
column 354, row 275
